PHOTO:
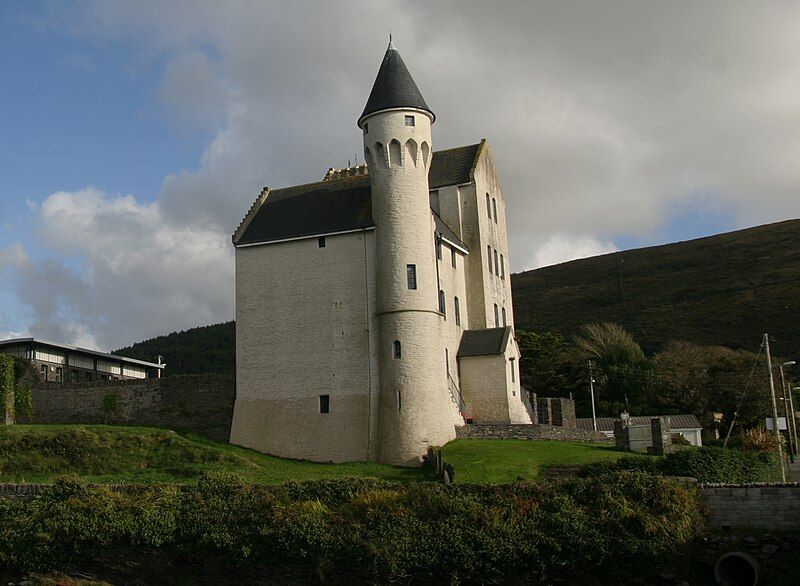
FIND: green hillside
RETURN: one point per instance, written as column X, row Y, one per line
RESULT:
column 208, row 349
column 722, row 290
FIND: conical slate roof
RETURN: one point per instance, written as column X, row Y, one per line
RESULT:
column 394, row 87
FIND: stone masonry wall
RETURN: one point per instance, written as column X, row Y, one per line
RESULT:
column 201, row 403
column 529, row 432
column 772, row 507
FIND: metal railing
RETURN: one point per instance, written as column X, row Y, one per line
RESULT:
column 455, row 394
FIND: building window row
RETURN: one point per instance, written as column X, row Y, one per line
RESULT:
column 396, row 155
column 497, row 315
column 491, row 207
column 498, row 267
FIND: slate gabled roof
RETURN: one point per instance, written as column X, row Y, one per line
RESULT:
column 607, row 423
column 484, row 342
column 394, row 87
column 345, row 204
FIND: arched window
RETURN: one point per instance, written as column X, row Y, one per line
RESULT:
column 394, row 154
column 504, row 317
column 368, row 158
column 425, row 152
column 411, row 153
column 457, row 311
column 380, row 155
column 496, row 316
column 488, row 206
column 442, row 308
column 398, row 349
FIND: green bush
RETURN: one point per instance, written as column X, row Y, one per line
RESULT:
column 364, row 529
column 706, row 464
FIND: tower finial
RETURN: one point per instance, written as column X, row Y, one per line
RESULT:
column 391, row 43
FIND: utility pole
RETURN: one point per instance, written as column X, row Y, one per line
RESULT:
column 786, row 391
column 591, row 391
column 774, row 407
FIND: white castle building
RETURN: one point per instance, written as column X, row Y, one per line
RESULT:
column 373, row 308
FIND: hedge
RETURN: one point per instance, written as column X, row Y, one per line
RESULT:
column 706, row 464
column 370, row 529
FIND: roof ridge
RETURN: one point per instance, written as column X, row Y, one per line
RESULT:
column 251, row 213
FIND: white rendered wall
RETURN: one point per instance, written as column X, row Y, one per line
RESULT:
column 303, row 320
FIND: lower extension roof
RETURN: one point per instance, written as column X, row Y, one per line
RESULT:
column 486, row 342
column 607, row 423
column 343, row 205
column 70, row 348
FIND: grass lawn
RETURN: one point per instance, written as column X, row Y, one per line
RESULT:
column 499, row 461
column 118, row 454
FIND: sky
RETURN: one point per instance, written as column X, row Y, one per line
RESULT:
column 135, row 135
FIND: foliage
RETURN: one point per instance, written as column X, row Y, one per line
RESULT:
column 207, row 349
column 706, row 464
column 8, row 382
column 622, row 368
column 111, row 403
column 679, row 440
column 483, row 461
column 370, row 531
column 759, row 440
column 105, row 453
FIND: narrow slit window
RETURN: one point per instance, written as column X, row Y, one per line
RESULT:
column 399, row 402
column 504, row 317
column 494, row 209
column 502, row 267
column 488, row 207
column 513, row 370
column 321, row 241
column 457, row 311
column 496, row 265
column 324, row 403
column 410, row 121
column 411, row 276
column 453, row 257
column 496, row 316
column 489, row 257
column 398, row 349
column 442, row 308
column 439, row 248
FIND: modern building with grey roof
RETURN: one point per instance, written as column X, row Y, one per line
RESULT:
column 686, row 425
column 373, row 307
column 64, row 363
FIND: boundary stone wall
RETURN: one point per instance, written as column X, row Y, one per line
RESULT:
column 530, row 432
column 201, row 403
column 773, row 507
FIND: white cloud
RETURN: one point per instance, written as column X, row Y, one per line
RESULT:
column 558, row 248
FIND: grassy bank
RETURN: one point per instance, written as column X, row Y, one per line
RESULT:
column 118, row 454
column 500, row 461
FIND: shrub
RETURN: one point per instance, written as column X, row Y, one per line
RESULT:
column 706, row 464
column 759, row 440
column 363, row 530
column 679, row 440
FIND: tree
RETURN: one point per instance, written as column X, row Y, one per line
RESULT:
column 621, row 366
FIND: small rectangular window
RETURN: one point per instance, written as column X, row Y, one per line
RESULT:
column 494, row 209
column 453, row 257
column 324, row 403
column 496, row 316
column 75, row 376
column 410, row 121
column 43, row 370
column 411, row 275
column 321, row 241
column 58, row 374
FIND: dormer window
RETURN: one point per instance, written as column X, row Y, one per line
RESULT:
column 410, row 121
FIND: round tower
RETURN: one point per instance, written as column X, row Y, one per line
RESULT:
column 414, row 409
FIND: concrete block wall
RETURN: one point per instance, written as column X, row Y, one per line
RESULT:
column 772, row 507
